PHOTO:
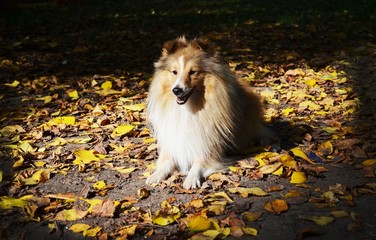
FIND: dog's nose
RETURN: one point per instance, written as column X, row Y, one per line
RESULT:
column 177, row 91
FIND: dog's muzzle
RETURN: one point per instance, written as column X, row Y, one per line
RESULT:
column 182, row 95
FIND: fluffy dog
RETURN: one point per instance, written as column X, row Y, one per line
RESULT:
column 199, row 111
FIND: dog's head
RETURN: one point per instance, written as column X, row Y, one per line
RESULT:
column 185, row 63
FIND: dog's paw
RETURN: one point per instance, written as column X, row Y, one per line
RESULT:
column 156, row 177
column 191, row 182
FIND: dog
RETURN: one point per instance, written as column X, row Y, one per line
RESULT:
column 200, row 112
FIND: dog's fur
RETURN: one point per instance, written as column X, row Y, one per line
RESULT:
column 199, row 111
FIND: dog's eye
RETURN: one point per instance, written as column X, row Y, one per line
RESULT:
column 174, row 72
column 192, row 72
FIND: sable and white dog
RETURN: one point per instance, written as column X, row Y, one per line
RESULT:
column 199, row 111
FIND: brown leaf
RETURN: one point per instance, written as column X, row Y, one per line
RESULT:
column 276, row 206
column 105, row 209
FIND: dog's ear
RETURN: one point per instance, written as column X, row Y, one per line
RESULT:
column 204, row 45
column 172, row 46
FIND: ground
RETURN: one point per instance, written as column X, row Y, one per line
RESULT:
column 76, row 147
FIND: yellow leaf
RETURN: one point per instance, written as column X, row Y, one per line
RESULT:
column 298, row 177
column 58, row 142
column 25, row 147
column 87, row 156
column 326, row 146
column 339, row 214
column 148, row 140
column 308, row 104
column 299, row 153
column 320, row 220
column 135, row 107
column 8, row 202
column 244, row 192
column 1, row 176
column 122, row 130
column 310, row 82
column 107, row 92
column 129, row 230
column 125, row 170
column 70, row 215
column 106, row 85
column 369, row 162
column 278, row 172
column 330, row 129
column 196, row 203
column 39, row 163
column 251, row 216
column 81, row 140
column 250, row 231
column 99, row 185
column 217, row 207
column 18, row 163
column 92, row 203
column 73, row 94
column 166, row 215
column 276, row 206
column 198, row 222
column 211, row 234
column 68, row 120
column 287, row 111
column 46, row 99
column 54, row 114
column 267, row 169
column 40, row 176
column 13, row 84
column 92, row 232
column 79, row 227
column 287, row 161
column 329, row 195
column 215, row 196
column 7, row 131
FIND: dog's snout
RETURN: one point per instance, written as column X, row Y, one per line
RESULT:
column 177, row 91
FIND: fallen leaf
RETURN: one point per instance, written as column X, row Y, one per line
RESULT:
column 13, row 84
column 166, row 215
column 135, row 107
column 9, row 202
column 369, row 162
column 198, row 222
column 68, row 120
column 298, row 178
column 125, row 170
column 73, row 94
column 46, row 99
column 70, row 215
column 251, row 216
column 79, row 227
column 244, row 192
column 106, row 85
column 250, row 231
column 39, row 176
column 122, row 130
column 215, row 196
column 339, row 214
column 99, row 185
column 104, row 209
column 276, row 206
column 320, row 220
column 92, row 232
column 299, row 153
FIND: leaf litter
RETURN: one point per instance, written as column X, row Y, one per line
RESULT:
column 78, row 148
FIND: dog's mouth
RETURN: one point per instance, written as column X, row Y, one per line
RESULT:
column 183, row 99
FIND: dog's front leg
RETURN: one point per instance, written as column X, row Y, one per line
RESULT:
column 194, row 176
column 165, row 166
